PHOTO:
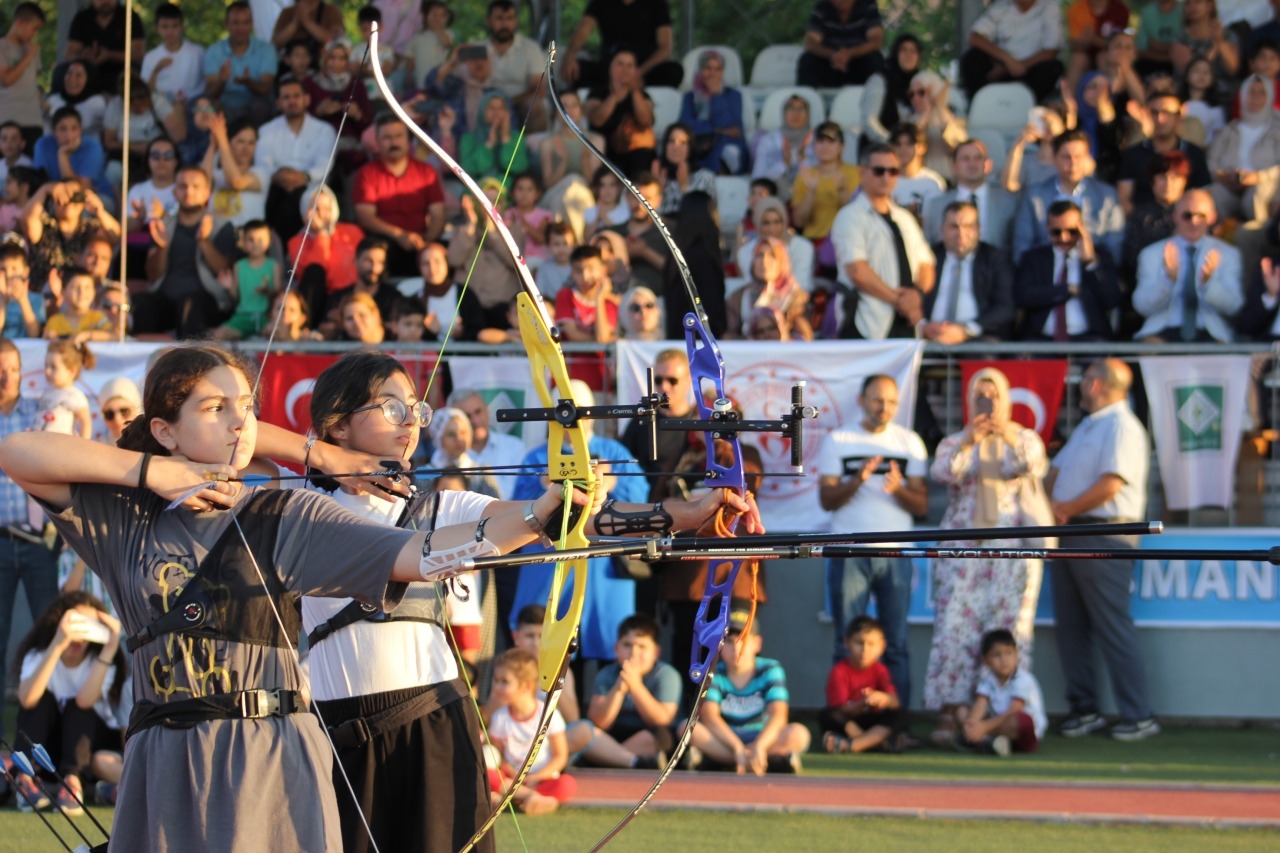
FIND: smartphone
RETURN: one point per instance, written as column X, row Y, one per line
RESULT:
column 473, row 51
column 94, row 631
column 1036, row 117
column 984, row 406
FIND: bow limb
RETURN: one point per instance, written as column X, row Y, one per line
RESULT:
column 573, row 467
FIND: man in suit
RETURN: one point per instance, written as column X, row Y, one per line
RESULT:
column 1099, row 207
column 1260, row 318
column 971, row 166
column 1189, row 286
column 1067, row 288
column 974, row 294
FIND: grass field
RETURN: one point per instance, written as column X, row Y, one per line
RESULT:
column 1183, row 755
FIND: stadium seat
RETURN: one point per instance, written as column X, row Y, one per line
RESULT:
column 732, row 65
column 732, row 193
column 846, row 111
column 666, row 108
column 1003, row 107
column 776, row 66
column 771, row 111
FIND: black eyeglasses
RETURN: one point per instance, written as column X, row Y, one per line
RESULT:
column 124, row 413
column 397, row 412
column 1194, row 216
column 666, row 380
column 637, row 307
column 881, row 171
column 1064, row 232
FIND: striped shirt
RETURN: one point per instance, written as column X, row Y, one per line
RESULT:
column 13, row 501
column 743, row 708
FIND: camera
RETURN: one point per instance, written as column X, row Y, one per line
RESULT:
column 473, row 51
column 94, row 631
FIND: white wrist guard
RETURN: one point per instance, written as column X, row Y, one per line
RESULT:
column 447, row 563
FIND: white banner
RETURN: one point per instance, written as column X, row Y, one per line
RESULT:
column 760, row 376
column 1197, row 406
column 128, row 360
column 506, row 383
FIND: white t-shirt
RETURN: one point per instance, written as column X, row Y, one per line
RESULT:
column 92, row 110
column 444, row 307
column 66, row 681
column 501, row 449
column 518, row 735
column 184, row 77
column 871, row 508
column 238, row 206
column 1022, row 685
column 144, row 192
column 143, row 127
column 58, row 407
column 369, row 657
column 918, row 189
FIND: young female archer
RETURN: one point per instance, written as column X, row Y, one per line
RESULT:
column 218, row 756
column 389, row 688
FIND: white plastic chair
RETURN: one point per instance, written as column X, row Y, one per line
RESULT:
column 732, row 193
column 846, row 111
column 732, row 65
column 1002, row 106
column 666, row 108
column 776, row 66
column 771, row 111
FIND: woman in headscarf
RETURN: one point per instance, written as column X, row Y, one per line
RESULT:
column 74, row 85
column 697, row 234
column 942, row 128
column 489, row 148
column 985, row 468
column 451, row 437
column 885, row 102
column 770, row 217
column 1245, row 155
column 781, row 153
column 333, row 95
column 713, row 112
column 1095, row 114
column 771, row 286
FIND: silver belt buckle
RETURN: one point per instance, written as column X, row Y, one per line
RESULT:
column 256, row 704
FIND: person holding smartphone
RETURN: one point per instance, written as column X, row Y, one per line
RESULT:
column 984, row 467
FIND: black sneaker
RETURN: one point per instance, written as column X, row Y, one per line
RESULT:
column 651, row 762
column 1079, row 725
column 1137, row 730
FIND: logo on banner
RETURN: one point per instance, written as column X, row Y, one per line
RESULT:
column 1199, row 409
column 505, row 398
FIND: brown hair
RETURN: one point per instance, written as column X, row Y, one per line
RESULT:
column 347, row 384
column 74, row 356
column 170, row 381
column 519, row 663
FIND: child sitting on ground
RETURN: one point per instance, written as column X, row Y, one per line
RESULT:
column 636, row 698
column 863, row 710
column 514, row 726
column 744, row 717
column 1008, row 711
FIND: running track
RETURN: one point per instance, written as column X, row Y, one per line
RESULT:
column 1221, row 805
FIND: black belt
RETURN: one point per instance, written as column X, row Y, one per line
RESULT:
column 1098, row 519
column 20, row 534
column 359, row 731
column 244, row 705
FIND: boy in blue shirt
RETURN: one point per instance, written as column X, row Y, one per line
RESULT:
column 635, row 699
column 744, row 722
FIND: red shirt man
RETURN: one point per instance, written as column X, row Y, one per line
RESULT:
column 399, row 198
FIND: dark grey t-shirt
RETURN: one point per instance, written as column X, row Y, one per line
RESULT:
column 224, row 785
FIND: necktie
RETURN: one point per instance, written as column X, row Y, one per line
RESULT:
column 1190, row 302
column 1060, row 310
column 953, row 295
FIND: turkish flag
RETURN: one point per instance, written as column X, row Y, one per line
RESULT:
column 1035, row 389
column 285, row 389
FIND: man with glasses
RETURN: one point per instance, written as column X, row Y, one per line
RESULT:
column 152, row 198
column 1162, row 115
column 670, row 376
column 1068, row 288
column 113, row 301
column 1189, row 286
column 23, row 554
column 882, row 255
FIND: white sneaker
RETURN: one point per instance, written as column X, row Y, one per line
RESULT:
column 1001, row 746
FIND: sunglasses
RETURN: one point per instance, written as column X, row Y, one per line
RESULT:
column 124, row 413
column 881, row 171
column 1194, row 216
column 826, row 138
column 637, row 307
column 1064, row 232
column 163, row 155
column 398, row 413
column 917, row 92
column 116, row 306
column 666, row 380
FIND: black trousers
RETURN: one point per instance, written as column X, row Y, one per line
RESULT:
column 976, row 64
column 816, row 71
column 190, row 316
column 592, row 72
column 70, row 734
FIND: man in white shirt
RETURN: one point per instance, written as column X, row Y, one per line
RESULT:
column 294, row 147
column 871, row 477
column 517, row 62
column 1015, row 40
column 489, row 448
column 1100, row 476
column 1189, row 286
column 971, row 165
column 175, row 67
column 974, row 294
column 881, row 254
